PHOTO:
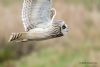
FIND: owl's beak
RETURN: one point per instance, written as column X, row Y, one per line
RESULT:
column 67, row 28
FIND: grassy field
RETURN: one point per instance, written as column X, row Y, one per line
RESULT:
column 79, row 48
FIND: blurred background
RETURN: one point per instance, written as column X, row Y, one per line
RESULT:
column 79, row 48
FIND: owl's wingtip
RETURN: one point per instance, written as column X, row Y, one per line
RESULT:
column 11, row 38
column 15, row 37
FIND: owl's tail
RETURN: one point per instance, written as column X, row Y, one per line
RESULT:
column 17, row 37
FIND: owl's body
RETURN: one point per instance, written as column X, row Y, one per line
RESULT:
column 39, row 23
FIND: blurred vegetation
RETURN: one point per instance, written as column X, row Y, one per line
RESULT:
column 81, row 45
column 87, row 3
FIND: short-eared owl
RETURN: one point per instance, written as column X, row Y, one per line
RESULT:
column 39, row 23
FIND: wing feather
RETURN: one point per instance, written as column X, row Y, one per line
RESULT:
column 36, row 13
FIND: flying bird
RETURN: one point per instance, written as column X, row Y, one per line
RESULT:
column 39, row 23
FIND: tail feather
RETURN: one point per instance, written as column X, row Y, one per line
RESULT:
column 17, row 37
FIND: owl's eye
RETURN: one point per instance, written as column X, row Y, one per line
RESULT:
column 63, row 27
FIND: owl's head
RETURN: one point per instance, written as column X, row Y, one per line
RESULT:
column 63, row 27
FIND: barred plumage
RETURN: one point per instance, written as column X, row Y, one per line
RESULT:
column 15, row 36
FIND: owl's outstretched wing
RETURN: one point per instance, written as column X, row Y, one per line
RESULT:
column 36, row 13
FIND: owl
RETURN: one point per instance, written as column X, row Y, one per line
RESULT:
column 39, row 23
